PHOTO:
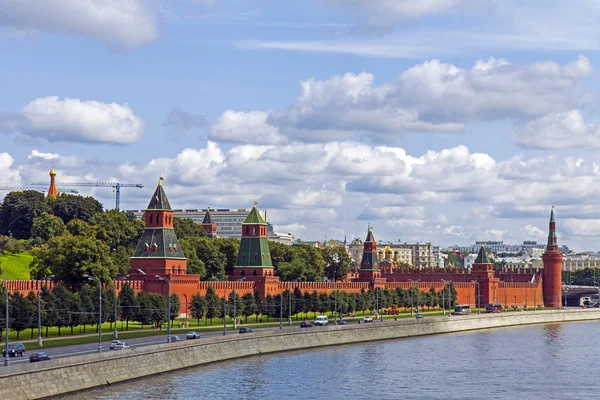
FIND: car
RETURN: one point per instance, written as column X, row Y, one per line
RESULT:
column 367, row 319
column 192, row 335
column 246, row 330
column 121, row 346
column 321, row 320
column 113, row 343
column 14, row 350
column 175, row 339
column 305, row 324
column 343, row 323
column 35, row 357
column 419, row 316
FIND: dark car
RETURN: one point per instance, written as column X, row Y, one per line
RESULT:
column 175, row 339
column 192, row 335
column 35, row 357
column 305, row 324
column 246, row 330
column 14, row 350
column 343, row 323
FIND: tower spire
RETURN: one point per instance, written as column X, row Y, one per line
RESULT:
column 52, row 191
column 552, row 239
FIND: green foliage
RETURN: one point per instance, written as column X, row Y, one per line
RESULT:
column 22, row 311
column 198, row 306
column 77, row 227
column 239, row 305
column 582, row 277
column 337, row 263
column 116, row 230
column 68, row 207
column 18, row 212
column 175, row 305
column 229, row 248
column 250, row 307
column 62, row 305
column 213, row 304
column 127, row 304
column 187, row 228
column 9, row 245
column 208, row 252
column 47, row 226
column 69, row 257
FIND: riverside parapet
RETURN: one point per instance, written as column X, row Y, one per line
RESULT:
column 61, row 376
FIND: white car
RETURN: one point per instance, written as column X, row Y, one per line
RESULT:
column 121, row 346
column 113, row 343
column 321, row 320
column 367, row 319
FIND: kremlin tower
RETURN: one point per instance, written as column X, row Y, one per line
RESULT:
column 369, row 265
column 254, row 257
column 552, row 274
column 209, row 226
column 52, row 191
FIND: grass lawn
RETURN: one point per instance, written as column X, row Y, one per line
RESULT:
column 15, row 267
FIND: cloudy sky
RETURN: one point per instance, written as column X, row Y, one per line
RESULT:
column 439, row 120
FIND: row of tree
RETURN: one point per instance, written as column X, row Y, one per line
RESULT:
column 582, row 277
column 62, row 308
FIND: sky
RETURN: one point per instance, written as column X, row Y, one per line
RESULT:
column 446, row 121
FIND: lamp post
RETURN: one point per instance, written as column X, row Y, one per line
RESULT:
column 234, row 310
column 225, row 312
column 281, row 311
column 290, row 308
column 443, row 299
column 411, row 296
column 162, row 278
column 40, row 342
column 478, row 297
column 565, row 303
column 93, row 278
column 6, row 355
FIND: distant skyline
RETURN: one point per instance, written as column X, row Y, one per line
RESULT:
column 447, row 121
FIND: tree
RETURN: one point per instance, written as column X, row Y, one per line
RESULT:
column 47, row 226
column 259, row 304
column 229, row 248
column 249, row 306
column 10, row 245
column 194, row 264
column 239, row 305
column 175, row 306
column 88, row 300
column 337, row 263
column 127, row 304
column 75, row 310
column 213, row 304
column 70, row 257
column 21, row 312
column 144, row 310
column 48, row 308
column 32, row 299
column 68, row 207
column 18, row 212
column 186, row 228
column 313, row 259
column 62, row 299
column 198, row 306
column 214, row 261
column 158, row 308
column 77, row 227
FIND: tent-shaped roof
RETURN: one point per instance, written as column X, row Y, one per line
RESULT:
column 254, row 217
column 482, row 257
column 159, row 199
column 207, row 218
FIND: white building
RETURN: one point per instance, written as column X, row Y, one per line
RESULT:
column 469, row 259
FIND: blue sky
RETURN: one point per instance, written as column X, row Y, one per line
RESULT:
column 440, row 120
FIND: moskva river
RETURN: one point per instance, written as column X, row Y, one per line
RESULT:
column 557, row 361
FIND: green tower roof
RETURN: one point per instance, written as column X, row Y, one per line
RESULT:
column 254, row 217
column 482, row 257
column 159, row 200
column 552, row 214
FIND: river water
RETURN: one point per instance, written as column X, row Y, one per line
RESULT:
column 554, row 361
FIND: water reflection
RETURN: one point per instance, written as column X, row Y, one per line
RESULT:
column 532, row 362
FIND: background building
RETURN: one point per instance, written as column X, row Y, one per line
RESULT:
column 228, row 221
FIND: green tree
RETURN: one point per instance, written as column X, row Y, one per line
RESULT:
column 144, row 310
column 337, row 263
column 175, row 306
column 249, row 306
column 68, row 207
column 47, row 226
column 213, row 304
column 77, row 227
column 313, row 259
column 229, row 248
column 69, row 257
column 127, row 304
column 158, row 307
column 186, row 228
column 209, row 253
column 32, row 299
column 88, row 300
column 19, row 209
column 21, row 313
column 62, row 303
column 9, row 245
column 198, row 306
column 76, row 311
column 239, row 305
column 259, row 304
column 49, row 313
column 194, row 264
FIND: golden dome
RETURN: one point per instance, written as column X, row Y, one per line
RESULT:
column 52, row 171
column 388, row 249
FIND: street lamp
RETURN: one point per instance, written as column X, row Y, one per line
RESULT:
column 443, row 299
column 478, row 297
column 93, row 278
column 564, row 307
column 40, row 343
column 411, row 296
column 281, row 311
column 290, row 308
column 162, row 278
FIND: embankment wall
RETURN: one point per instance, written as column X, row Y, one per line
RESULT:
column 66, row 375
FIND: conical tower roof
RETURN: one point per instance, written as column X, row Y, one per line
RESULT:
column 254, row 217
column 207, row 218
column 370, row 237
column 482, row 257
column 159, row 200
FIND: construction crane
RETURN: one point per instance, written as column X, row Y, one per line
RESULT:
column 21, row 188
column 115, row 185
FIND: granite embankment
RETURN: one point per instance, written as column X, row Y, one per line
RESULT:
column 61, row 376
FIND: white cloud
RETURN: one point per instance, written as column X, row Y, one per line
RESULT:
column 534, row 231
column 582, row 227
column 116, row 22
column 431, row 97
column 556, row 131
column 9, row 176
column 44, row 156
column 74, row 120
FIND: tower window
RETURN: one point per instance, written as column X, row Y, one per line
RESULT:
column 150, row 218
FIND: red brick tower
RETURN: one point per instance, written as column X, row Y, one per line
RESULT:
column 208, row 225
column 483, row 272
column 552, row 274
column 158, row 252
column 369, row 265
